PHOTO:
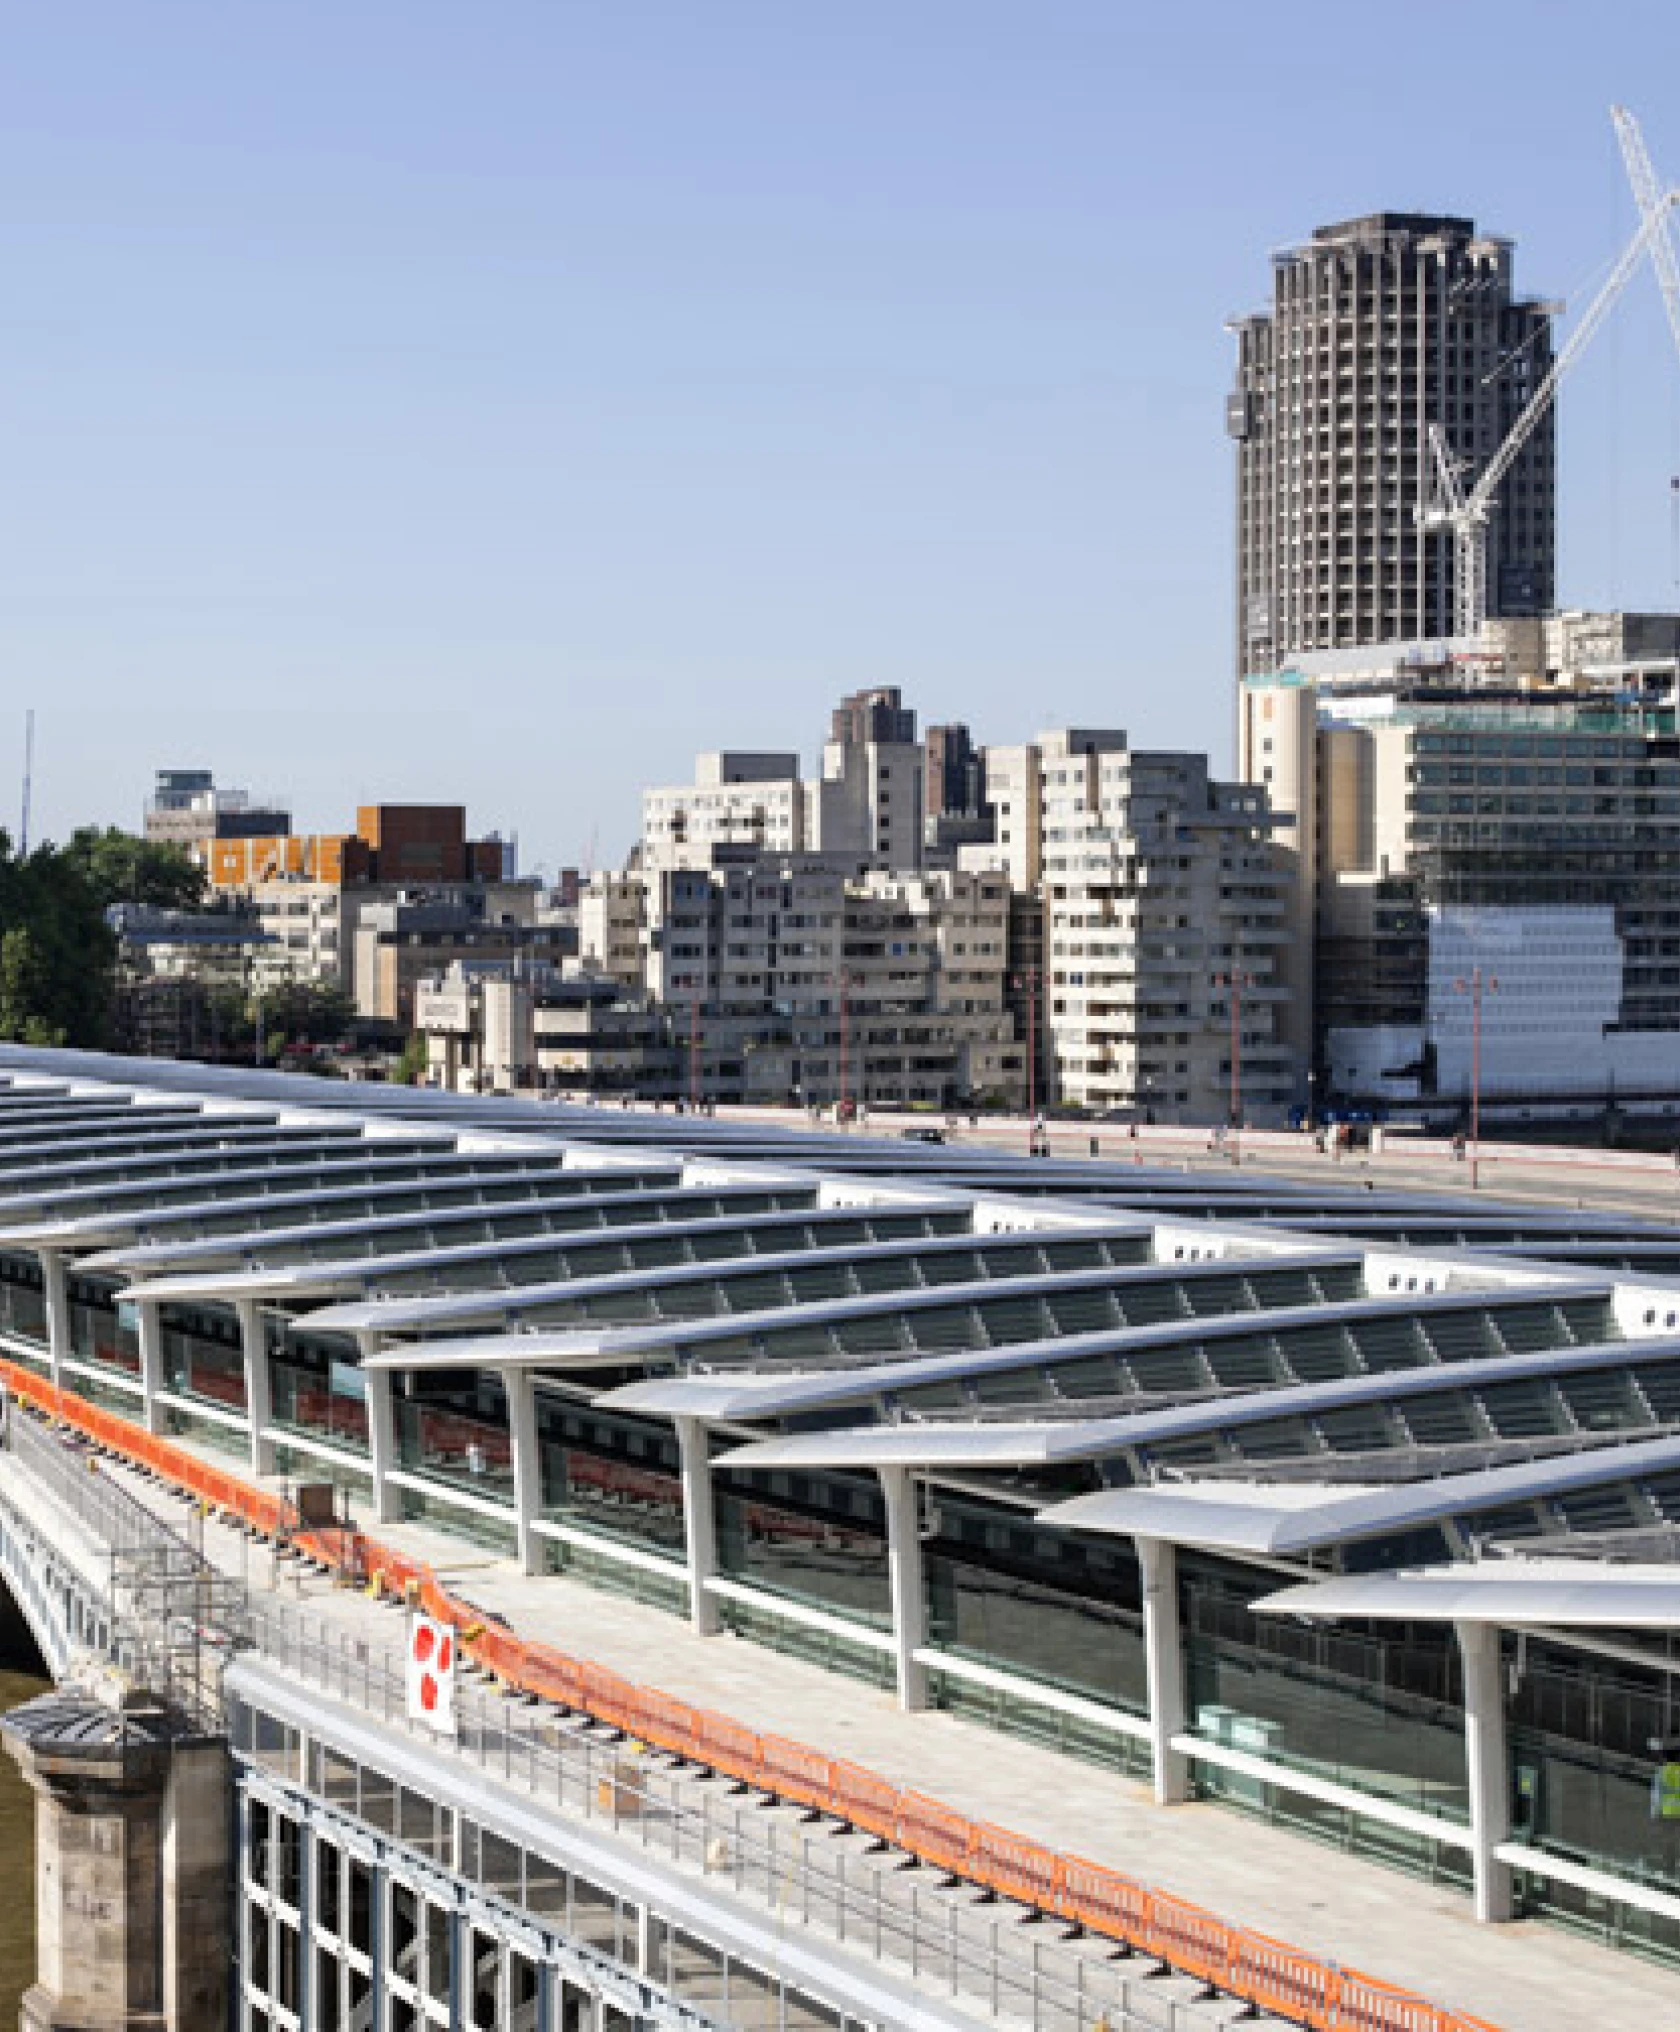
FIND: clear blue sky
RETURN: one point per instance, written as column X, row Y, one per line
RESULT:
column 499, row 402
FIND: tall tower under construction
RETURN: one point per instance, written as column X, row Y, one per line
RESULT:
column 1379, row 327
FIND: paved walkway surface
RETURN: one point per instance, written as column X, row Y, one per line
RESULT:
column 1551, row 1175
column 1525, row 1977
column 936, row 1952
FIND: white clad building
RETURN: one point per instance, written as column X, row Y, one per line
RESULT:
column 1536, row 839
column 737, row 798
column 1159, row 886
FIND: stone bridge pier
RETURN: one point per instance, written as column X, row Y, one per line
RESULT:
column 133, row 1820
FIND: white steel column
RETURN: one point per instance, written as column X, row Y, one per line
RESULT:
column 1486, row 1767
column 259, row 1389
column 527, row 1463
column 382, row 1433
column 55, row 1284
column 151, row 1362
column 699, row 1524
column 1163, row 1656
column 904, row 1569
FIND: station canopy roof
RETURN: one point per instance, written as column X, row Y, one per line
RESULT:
column 1431, row 1397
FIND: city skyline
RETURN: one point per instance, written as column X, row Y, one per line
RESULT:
column 387, row 411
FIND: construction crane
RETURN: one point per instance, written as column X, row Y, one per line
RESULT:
column 1468, row 515
column 1647, row 195
column 1643, row 178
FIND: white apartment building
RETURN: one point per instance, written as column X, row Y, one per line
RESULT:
column 530, row 1027
column 813, row 977
column 609, row 918
column 311, row 927
column 737, row 799
column 1160, row 889
column 867, row 802
column 1014, row 792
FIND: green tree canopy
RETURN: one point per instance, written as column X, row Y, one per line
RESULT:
column 305, row 1012
column 56, row 950
column 121, row 867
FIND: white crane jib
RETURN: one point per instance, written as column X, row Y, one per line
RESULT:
column 1468, row 515
column 1647, row 195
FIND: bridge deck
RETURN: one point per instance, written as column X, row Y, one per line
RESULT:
column 1524, row 1977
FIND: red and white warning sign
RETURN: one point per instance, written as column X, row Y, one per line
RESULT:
column 431, row 1674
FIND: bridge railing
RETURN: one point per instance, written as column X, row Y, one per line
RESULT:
column 160, row 1612
column 1306, row 1989
column 857, row 1897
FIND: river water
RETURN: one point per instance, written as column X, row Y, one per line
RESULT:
column 17, row 1858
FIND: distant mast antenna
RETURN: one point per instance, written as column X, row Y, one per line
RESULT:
column 28, row 778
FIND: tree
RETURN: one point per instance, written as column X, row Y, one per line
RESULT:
column 305, row 1012
column 120, row 867
column 57, row 953
column 411, row 1066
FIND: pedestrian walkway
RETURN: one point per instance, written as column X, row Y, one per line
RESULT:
column 1606, row 1181
column 1524, row 1977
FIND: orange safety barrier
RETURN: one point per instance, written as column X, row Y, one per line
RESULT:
column 728, row 1747
column 1365, row 2005
column 1251, row 1966
column 1018, row 1868
column 862, row 1800
column 1188, row 1937
column 670, row 1723
column 934, row 1832
column 1283, row 1980
column 646, row 1715
column 608, row 1695
column 1102, row 1899
column 795, row 1771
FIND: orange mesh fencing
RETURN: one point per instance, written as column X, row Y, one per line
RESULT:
column 728, row 1747
column 1015, row 1867
column 1189, row 1938
column 1365, row 2005
column 1283, row 1980
column 795, row 1771
column 862, row 1800
column 935, row 1832
column 1103, row 1900
column 1250, row 1966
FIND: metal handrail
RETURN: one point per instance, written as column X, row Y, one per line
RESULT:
column 863, row 1900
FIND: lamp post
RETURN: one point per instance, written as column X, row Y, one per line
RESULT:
column 1028, row 979
column 1235, row 982
column 1475, row 985
column 694, row 1055
column 843, row 981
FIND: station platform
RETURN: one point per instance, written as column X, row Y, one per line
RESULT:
column 1522, row 1977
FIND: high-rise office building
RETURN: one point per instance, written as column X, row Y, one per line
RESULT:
column 1379, row 327
column 1531, row 835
